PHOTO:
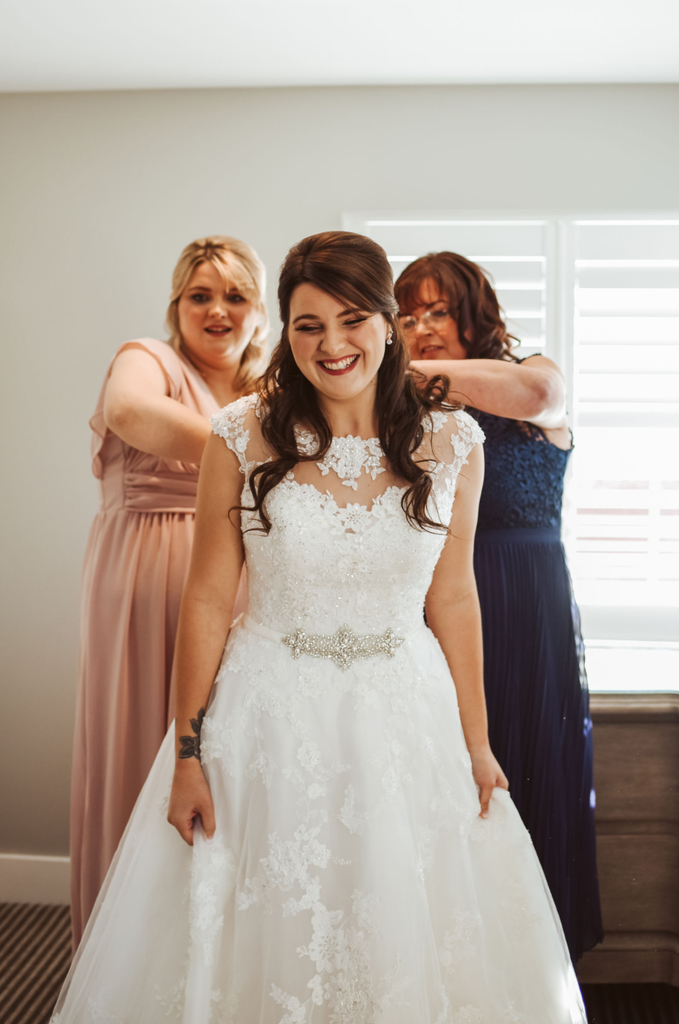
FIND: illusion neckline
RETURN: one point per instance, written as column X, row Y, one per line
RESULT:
column 348, row 456
column 328, row 498
column 299, row 429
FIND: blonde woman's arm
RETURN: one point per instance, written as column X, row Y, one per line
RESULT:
column 533, row 390
column 137, row 408
column 454, row 617
column 204, row 622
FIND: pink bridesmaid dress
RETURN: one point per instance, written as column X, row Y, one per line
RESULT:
column 135, row 567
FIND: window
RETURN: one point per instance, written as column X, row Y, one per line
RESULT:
column 601, row 297
column 626, row 330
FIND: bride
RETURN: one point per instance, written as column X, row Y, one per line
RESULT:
column 345, row 850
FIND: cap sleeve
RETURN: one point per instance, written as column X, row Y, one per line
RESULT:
column 171, row 366
column 467, row 435
column 229, row 424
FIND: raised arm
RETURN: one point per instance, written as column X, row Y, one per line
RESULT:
column 137, row 408
column 204, row 621
column 533, row 390
column 454, row 617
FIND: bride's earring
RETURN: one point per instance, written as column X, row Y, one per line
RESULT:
column 390, row 336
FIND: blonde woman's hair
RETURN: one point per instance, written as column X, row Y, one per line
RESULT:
column 238, row 265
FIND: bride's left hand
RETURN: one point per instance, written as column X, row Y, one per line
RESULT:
column 487, row 775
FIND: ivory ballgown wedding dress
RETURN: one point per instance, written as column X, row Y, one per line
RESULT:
column 350, row 879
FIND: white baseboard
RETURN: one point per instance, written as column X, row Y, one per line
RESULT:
column 25, row 878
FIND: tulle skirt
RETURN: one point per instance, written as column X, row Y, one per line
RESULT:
column 538, row 710
column 350, row 880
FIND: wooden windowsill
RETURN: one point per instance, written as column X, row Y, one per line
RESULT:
column 637, row 707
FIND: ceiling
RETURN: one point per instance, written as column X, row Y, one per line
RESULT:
column 163, row 44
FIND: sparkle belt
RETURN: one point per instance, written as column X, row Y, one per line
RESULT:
column 344, row 647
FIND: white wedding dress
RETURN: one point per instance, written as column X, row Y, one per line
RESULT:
column 351, row 879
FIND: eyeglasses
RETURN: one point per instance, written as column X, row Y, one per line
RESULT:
column 433, row 318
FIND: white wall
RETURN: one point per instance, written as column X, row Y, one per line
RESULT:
column 100, row 192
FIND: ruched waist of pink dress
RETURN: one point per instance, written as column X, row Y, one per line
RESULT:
column 159, row 492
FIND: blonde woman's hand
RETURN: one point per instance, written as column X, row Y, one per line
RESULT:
column 487, row 775
column 191, row 798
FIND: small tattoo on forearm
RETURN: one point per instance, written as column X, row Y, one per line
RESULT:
column 191, row 744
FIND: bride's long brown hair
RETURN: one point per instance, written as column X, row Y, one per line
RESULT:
column 354, row 270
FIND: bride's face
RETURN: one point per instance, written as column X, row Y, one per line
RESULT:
column 337, row 348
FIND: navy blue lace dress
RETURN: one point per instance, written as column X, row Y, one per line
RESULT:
column 536, row 686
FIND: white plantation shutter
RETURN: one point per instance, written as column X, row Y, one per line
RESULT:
column 626, row 386
column 601, row 297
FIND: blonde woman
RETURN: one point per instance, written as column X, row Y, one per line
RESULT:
column 150, row 427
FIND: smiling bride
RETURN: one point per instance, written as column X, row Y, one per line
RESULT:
column 344, row 848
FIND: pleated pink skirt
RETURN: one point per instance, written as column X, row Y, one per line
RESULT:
column 134, row 574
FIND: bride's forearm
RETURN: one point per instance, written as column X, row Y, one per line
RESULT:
column 202, row 633
column 209, row 595
column 457, row 627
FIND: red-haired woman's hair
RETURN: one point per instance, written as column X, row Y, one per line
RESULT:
column 472, row 302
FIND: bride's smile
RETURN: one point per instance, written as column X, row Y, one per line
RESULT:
column 335, row 366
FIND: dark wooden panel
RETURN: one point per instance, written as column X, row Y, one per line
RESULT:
column 636, row 775
column 638, row 876
column 627, row 957
column 636, row 770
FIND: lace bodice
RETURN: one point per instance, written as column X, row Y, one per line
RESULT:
column 523, row 484
column 329, row 562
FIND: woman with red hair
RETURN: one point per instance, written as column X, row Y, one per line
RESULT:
column 534, row 671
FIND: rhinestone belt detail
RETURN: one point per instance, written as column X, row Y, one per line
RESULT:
column 344, row 647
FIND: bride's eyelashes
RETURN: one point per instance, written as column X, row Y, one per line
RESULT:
column 310, row 328
column 307, row 328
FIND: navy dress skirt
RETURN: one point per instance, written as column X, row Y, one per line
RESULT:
column 536, row 685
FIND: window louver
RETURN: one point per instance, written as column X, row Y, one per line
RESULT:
column 626, row 389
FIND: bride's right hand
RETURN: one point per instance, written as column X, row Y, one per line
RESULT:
column 191, row 798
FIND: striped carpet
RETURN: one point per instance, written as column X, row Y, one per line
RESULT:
column 35, row 950
column 631, row 1004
